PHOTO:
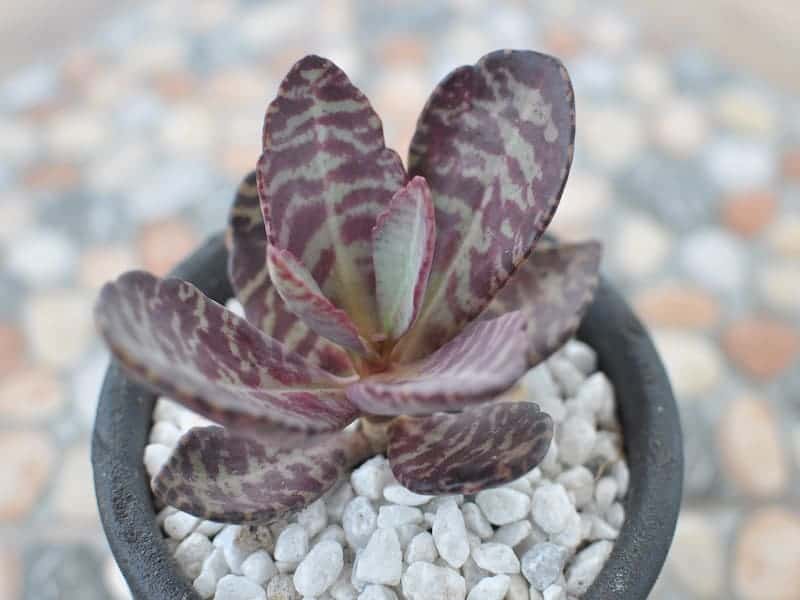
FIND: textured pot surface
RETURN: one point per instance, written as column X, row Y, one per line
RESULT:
column 649, row 417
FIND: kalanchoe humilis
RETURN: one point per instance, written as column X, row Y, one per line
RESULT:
column 385, row 311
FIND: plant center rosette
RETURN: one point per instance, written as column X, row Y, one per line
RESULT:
column 386, row 309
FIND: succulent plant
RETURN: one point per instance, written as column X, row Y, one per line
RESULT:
column 386, row 311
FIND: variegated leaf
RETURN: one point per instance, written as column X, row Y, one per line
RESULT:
column 495, row 143
column 215, row 475
column 264, row 308
column 463, row 453
column 486, row 359
column 324, row 177
column 302, row 296
column 402, row 252
column 553, row 288
column 167, row 334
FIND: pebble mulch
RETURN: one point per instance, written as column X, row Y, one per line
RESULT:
column 543, row 536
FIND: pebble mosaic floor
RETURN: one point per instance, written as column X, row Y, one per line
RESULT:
column 124, row 151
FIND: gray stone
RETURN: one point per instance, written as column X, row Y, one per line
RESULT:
column 543, row 563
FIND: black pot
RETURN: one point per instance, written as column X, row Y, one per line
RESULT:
column 649, row 416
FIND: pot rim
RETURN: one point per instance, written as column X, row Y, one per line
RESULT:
column 651, row 436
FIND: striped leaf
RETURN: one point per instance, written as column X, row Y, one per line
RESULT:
column 553, row 288
column 486, row 359
column 170, row 336
column 323, row 179
column 215, row 475
column 263, row 306
column 481, row 447
column 402, row 253
column 495, row 144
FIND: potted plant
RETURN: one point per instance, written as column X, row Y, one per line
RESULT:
column 386, row 312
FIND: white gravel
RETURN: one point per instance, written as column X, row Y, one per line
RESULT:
column 545, row 536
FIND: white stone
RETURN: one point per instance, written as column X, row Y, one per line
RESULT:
column 166, row 410
column 615, row 515
column 741, row 163
column 550, row 465
column 342, row 589
column 714, row 259
column 551, row 507
column 421, row 548
column 334, row 533
column 490, row 588
column 234, row 587
column 41, row 258
column 543, row 564
column 572, row 534
column 553, row 406
column 405, row 533
column 680, row 126
column 581, row 355
column 567, row 375
column 320, row 569
column 259, row 567
column 382, row 559
column 398, row 494
column 555, row 592
column 394, row 515
column 191, row 553
column 586, row 565
column 371, row 477
column 580, row 482
column 641, row 245
column 359, row 521
column 512, row 534
column 281, row 587
column 165, row 433
column 472, row 573
column 214, row 568
column 540, row 383
column 517, row 588
column 503, row 505
column 605, row 493
column 576, row 438
column 377, row 592
column 337, row 499
column 521, row 485
column 209, row 528
column 180, row 524
column 292, row 544
column 314, row 517
column 496, row 558
column 601, row 530
column 693, row 362
column 227, row 535
column 450, row 534
column 155, row 456
column 596, row 396
column 358, row 584
column 424, row 581
column 476, row 521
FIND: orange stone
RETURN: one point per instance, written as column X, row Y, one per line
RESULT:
column 163, row 244
column 750, row 448
column 12, row 348
column 238, row 159
column 791, row 164
column 562, row 41
column 761, row 346
column 677, row 305
column 767, row 559
column 52, row 176
column 100, row 264
column 403, row 49
column 10, row 574
column 30, row 395
column 174, row 85
column 28, row 458
column 747, row 214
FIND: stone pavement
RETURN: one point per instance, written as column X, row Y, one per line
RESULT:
column 124, row 150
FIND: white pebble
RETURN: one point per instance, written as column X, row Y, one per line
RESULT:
column 337, row 499
column 406, row 533
column 540, row 383
column 513, row 533
column 476, row 521
column 259, row 567
column 580, row 481
column 155, row 456
column 382, row 559
column 180, row 524
column 334, row 533
column 555, row 592
column 394, row 515
column 424, row 581
column 165, row 433
column 421, row 548
column 605, row 492
column 597, row 395
column 581, row 355
column 450, row 534
column 359, row 521
column 601, row 530
column 281, row 587
column 167, row 410
column 209, row 528
column 576, row 439
column 472, row 573
column 377, row 592
column 164, row 513
column 622, row 476
column 234, row 587
column 399, row 494
column 572, row 534
column 553, row 406
column 615, row 515
column 567, row 375
column 342, row 589
column 496, row 558
column 314, row 517
column 371, row 477
column 227, row 535
column 191, row 553
column 543, row 564
column 503, row 505
column 607, row 446
column 490, row 588
column 586, row 565
column 320, row 569
column 292, row 544
column 517, row 588
column 551, row 507
column 214, row 569
column 550, row 465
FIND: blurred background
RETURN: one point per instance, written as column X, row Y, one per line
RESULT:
column 125, row 127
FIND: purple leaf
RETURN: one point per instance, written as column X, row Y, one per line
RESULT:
column 167, row 334
column 264, row 308
column 402, row 252
column 482, row 447
column 553, row 288
column 495, row 144
column 486, row 359
column 324, row 177
column 215, row 475
column 302, row 296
